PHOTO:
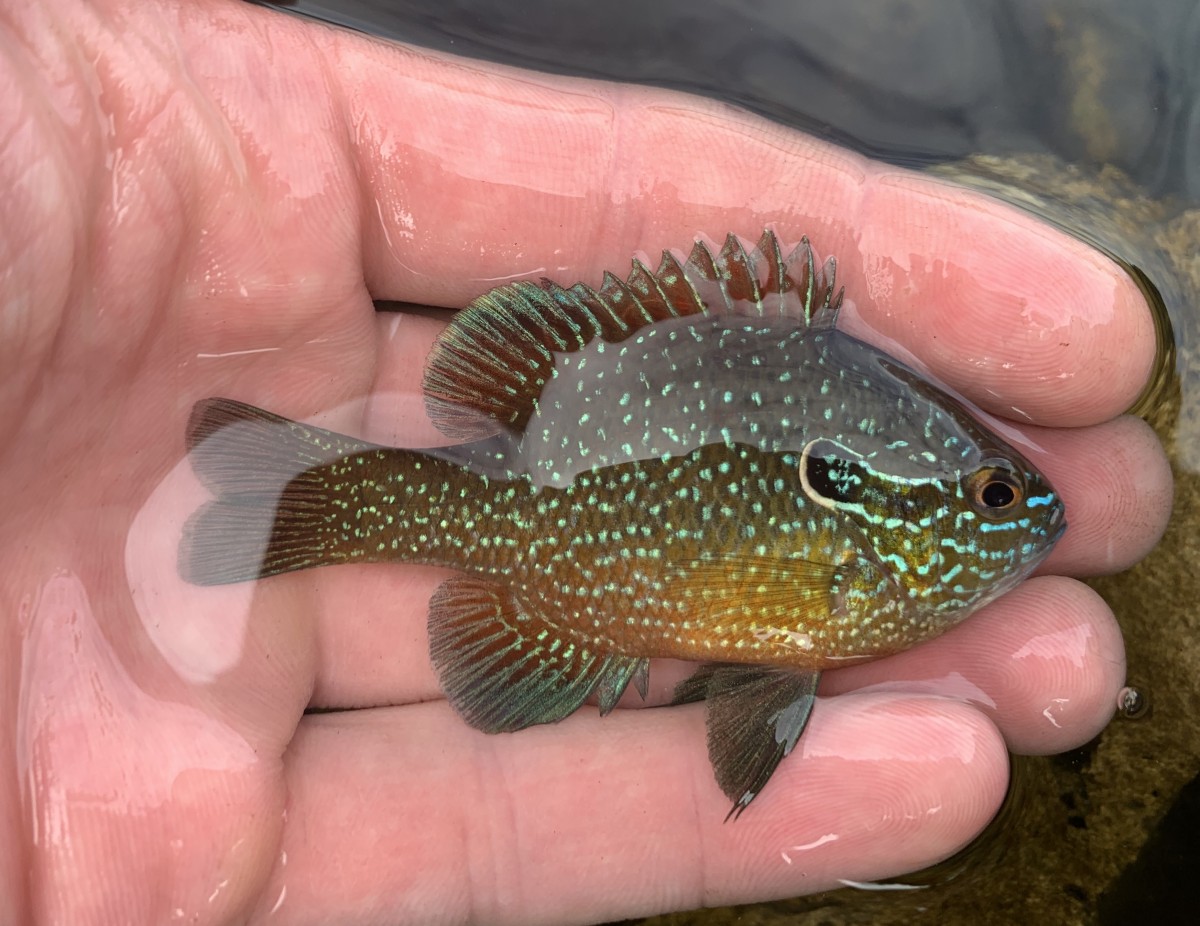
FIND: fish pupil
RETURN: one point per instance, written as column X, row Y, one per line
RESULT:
column 998, row 494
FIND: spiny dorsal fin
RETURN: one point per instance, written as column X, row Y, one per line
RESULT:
column 489, row 366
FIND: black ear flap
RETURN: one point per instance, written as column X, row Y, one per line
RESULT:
column 831, row 474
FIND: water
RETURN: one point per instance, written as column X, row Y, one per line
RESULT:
column 1086, row 113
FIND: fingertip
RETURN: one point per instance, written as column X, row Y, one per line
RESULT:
column 882, row 785
column 1141, row 506
column 1044, row 663
column 1060, row 685
column 1031, row 323
column 1119, row 491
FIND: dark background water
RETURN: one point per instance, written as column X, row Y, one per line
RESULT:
column 1089, row 113
column 910, row 81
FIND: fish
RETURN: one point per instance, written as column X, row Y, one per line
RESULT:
column 693, row 463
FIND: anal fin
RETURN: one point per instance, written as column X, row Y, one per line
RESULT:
column 755, row 717
column 504, row 667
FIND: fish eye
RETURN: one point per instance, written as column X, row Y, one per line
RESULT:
column 995, row 490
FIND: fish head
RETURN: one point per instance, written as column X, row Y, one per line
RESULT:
column 950, row 513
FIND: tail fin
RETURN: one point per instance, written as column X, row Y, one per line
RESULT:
column 273, row 512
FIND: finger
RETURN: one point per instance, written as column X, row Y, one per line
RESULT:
column 372, row 640
column 439, row 170
column 1023, row 318
column 1045, row 663
column 1118, row 488
column 404, row 815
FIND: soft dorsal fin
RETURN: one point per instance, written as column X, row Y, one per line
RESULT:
column 488, row 367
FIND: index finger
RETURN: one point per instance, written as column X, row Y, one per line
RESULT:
column 482, row 175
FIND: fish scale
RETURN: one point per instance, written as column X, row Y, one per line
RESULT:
column 694, row 463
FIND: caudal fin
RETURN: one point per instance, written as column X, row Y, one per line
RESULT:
column 273, row 509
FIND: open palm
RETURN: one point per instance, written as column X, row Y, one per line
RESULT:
column 204, row 199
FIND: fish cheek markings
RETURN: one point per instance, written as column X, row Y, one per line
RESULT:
column 874, row 609
column 924, row 575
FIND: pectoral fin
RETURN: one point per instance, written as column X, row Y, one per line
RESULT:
column 504, row 667
column 788, row 593
column 755, row 717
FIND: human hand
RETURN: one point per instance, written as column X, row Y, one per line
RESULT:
column 203, row 200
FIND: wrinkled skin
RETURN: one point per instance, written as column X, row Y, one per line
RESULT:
column 203, row 199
